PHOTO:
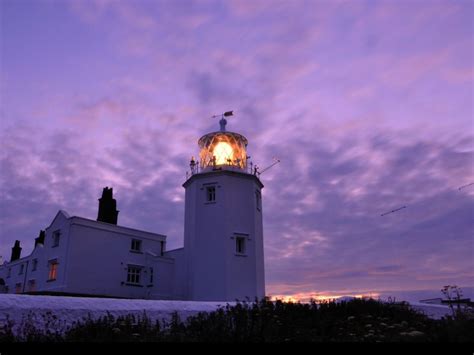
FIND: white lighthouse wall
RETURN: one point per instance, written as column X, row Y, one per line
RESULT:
column 215, row 270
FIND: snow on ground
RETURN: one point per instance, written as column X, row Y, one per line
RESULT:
column 58, row 313
column 435, row 311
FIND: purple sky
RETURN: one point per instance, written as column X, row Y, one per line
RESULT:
column 369, row 105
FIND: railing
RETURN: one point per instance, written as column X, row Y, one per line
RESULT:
column 195, row 168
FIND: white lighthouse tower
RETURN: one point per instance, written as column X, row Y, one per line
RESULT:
column 223, row 232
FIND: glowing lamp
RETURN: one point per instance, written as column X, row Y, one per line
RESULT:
column 223, row 153
column 223, row 149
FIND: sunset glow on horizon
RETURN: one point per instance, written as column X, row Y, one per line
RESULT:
column 319, row 297
column 368, row 105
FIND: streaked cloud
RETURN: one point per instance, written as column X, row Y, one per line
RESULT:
column 368, row 106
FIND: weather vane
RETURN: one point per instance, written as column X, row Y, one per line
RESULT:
column 223, row 121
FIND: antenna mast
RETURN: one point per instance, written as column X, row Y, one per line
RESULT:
column 270, row 166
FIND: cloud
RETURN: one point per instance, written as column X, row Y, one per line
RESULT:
column 322, row 204
column 367, row 105
column 349, row 196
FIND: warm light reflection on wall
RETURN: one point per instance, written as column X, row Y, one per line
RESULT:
column 53, row 270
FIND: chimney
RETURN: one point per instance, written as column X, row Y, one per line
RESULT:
column 107, row 207
column 40, row 239
column 16, row 251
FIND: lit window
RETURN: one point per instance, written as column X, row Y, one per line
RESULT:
column 258, row 200
column 56, row 236
column 211, row 194
column 240, row 245
column 22, row 269
column 18, row 288
column 136, row 245
column 34, row 264
column 53, row 270
column 31, row 285
column 133, row 274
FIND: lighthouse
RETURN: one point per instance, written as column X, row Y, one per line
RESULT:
column 223, row 231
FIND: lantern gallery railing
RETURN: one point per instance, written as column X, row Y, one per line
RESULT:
column 195, row 167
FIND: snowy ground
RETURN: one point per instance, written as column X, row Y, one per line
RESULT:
column 62, row 312
column 434, row 311
column 59, row 313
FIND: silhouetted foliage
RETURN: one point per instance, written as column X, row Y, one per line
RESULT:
column 358, row 320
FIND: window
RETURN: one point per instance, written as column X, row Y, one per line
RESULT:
column 34, row 264
column 240, row 245
column 53, row 270
column 56, row 236
column 31, row 285
column 136, row 245
column 211, row 194
column 9, row 272
column 18, row 288
column 162, row 248
column 22, row 269
column 258, row 200
column 133, row 274
column 151, row 275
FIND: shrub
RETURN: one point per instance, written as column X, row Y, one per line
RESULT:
column 358, row 320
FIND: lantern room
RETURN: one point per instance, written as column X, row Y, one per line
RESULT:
column 219, row 149
column 222, row 149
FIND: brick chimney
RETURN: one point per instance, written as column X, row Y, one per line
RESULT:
column 16, row 251
column 40, row 239
column 107, row 207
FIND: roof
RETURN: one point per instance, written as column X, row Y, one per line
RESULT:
column 113, row 227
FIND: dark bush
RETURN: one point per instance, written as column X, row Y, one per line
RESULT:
column 358, row 320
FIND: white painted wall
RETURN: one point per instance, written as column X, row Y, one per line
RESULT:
column 100, row 255
column 42, row 253
column 179, row 277
column 93, row 259
column 215, row 272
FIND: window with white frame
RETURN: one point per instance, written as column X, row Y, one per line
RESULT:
column 52, row 270
column 240, row 245
column 136, row 245
column 134, row 274
column 210, row 194
column 56, row 237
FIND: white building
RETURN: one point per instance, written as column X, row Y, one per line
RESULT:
column 222, row 258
